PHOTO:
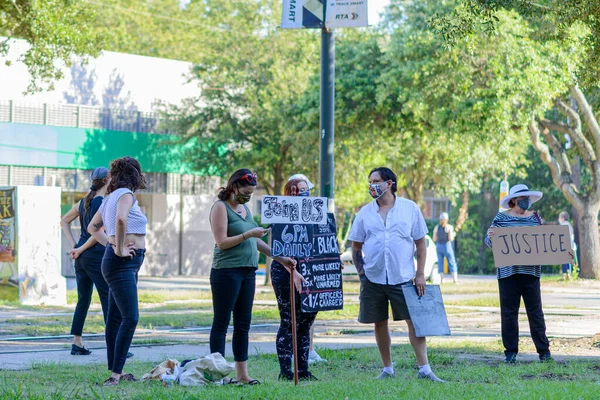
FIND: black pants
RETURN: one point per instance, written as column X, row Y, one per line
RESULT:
column 280, row 278
column 88, row 273
column 121, row 274
column 511, row 290
column 232, row 290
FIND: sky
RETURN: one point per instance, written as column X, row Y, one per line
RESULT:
column 376, row 7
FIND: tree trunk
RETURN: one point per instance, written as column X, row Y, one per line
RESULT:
column 463, row 213
column 589, row 264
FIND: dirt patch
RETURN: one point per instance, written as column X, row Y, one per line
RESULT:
column 551, row 376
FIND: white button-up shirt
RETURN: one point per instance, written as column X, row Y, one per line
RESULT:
column 388, row 249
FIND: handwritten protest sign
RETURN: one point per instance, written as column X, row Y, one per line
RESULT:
column 324, row 289
column 427, row 312
column 294, row 210
column 532, row 245
column 292, row 240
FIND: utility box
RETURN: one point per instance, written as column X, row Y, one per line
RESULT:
column 30, row 245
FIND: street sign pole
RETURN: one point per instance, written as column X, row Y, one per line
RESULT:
column 326, row 131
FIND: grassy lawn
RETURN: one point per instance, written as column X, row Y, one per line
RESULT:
column 348, row 375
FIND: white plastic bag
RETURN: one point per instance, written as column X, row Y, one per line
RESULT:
column 208, row 369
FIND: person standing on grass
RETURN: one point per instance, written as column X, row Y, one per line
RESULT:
column 443, row 237
column 125, row 241
column 520, row 281
column 563, row 219
column 384, row 234
column 313, row 356
column 233, row 272
column 280, row 278
column 87, row 253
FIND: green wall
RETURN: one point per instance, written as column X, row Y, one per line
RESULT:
column 63, row 147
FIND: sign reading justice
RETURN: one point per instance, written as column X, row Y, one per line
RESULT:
column 532, row 245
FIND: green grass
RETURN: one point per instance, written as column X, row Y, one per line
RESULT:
column 8, row 294
column 349, row 374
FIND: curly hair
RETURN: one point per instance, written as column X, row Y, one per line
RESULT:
column 241, row 178
column 126, row 172
column 291, row 187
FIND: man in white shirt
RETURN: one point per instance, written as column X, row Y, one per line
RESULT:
column 384, row 235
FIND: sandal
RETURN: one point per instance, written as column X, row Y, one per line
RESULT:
column 253, row 382
column 128, row 378
column 111, row 382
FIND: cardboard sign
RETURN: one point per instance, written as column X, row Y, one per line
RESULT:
column 532, row 245
column 305, row 241
column 7, row 226
column 324, row 290
column 294, row 210
column 427, row 312
column 325, row 238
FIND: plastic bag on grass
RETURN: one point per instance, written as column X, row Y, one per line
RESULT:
column 208, row 369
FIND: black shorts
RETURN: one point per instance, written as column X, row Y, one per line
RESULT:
column 375, row 300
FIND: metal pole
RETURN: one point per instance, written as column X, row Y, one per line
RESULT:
column 326, row 179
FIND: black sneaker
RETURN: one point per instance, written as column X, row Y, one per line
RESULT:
column 286, row 376
column 546, row 357
column 129, row 355
column 511, row 358
column 79, row 351
column 307, row 376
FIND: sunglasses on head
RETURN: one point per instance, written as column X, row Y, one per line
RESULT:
column 250, row 178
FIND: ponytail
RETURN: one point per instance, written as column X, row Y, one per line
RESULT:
column 97, row 184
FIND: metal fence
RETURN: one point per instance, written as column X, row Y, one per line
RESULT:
column 81, row 117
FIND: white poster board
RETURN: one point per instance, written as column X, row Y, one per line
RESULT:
column 293, row 210
column 346, row 14
column 38, row 246
column 427, row 312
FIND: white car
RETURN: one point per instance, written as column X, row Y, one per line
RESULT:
column 431, row 263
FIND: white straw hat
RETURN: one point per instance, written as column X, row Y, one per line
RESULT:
column 520, row 190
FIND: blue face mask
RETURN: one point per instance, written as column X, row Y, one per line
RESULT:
column 524, row 204
column 304, row 194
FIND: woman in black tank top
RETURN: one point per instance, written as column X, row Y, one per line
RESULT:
column 87, row 253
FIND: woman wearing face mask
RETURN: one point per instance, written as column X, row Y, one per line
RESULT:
column 520, row 281
column 280, row 277
column 233, row 272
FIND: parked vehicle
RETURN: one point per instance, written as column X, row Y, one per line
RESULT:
column 431, row 264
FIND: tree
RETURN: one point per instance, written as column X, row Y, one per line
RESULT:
column 251, row 111
column 55, row 30
column 582, row 127
column 554, row 19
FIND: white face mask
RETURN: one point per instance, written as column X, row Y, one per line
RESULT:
column 376, row 189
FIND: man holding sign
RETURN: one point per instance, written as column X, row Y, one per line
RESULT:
column 383, row 237
column 514, row 239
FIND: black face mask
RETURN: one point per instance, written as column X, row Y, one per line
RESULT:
column 524, row 204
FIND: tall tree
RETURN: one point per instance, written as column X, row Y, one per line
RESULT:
column 55, row 30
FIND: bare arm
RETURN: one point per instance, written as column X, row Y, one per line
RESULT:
column 65, row 223
column 123, row 206
column 421, row 258
column 435, row 230
column 357, row 258
column 451, row 234
column 95, row 228
column 266, row 250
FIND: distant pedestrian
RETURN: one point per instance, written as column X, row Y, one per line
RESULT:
column 443, row 237
column 567, row 269
column 233, row 273
column 87, row 253
column 520, row 281
column 384, row 235
column 125, row 240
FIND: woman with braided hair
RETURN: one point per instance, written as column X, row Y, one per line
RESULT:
column 87, row 253
column 124, row 236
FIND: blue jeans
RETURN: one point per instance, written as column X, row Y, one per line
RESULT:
column 446, row 250
column 232, row 291
column 88, row 273
column 121, row 274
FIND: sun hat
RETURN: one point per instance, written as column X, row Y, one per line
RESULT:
column 520, row 190
column 302, row 177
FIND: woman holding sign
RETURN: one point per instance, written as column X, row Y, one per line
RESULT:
column 280, row 277
column 233, row 272
column 520, row 281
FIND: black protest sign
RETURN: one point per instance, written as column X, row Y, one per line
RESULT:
column 292, row 240
column 325, row 238
column 323, row 291
column 532, row 245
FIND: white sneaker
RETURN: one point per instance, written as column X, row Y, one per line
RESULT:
column 386, row 375
column 430, row 376
column 313, row 357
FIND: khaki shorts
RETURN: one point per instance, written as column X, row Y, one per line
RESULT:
column 375, row 300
